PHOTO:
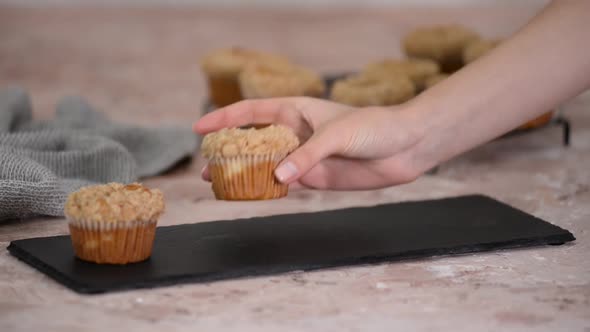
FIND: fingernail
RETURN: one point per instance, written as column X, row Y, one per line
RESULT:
column 286, row 171
column 205, row 173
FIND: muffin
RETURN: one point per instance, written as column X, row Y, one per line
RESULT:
column 242, row 161
column 435, row 79
column 477, row 48
column 364, row 90
column 537, row 122
column 113, row 223
column 443, row 44
column 418, row 70
column 223, row 67
column 268, row 80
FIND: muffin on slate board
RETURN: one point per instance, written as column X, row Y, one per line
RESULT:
column 113, row 223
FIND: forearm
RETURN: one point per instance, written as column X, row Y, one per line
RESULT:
column 544, row 64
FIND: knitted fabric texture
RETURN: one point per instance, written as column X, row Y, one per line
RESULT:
column 41, row 162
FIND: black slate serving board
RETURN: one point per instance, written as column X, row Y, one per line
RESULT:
column 217, row 250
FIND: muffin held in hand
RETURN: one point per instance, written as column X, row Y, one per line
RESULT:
column 269, row 80
column 478, row 48
column 418, row 70
column 223, row 67
column 242, row 161
column 113, row 223
column 364, row 90
column 443, row 44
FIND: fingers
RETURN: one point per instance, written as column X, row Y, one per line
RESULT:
column 354, row 174
column 205, row 174
column 320, row 146
column 261, row 111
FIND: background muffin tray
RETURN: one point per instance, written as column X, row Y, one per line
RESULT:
column 205, row 252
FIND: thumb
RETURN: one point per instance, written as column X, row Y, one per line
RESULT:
column 318, row 147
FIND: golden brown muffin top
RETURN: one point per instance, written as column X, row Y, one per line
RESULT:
column 438, row 42
column 364, row 90
column 477, row 48
column 115, row 202
column 435, row 79
column 269, row 80
column 232, row 142
column 416, row 69
column 231, row 61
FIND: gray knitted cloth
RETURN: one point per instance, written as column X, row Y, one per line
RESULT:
column 41, row 162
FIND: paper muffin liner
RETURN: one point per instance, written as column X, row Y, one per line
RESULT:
column 112, row 242
column 224, row 90
column 247, row 177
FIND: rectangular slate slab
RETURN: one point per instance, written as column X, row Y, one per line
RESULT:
column 205, row 252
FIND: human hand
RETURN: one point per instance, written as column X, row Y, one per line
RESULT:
column 343, row 148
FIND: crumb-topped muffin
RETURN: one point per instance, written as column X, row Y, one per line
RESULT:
column 418, row 70
column 222, row 68
column 478, row 48
column 435, row 79
column 269, row 80
column 242, row 161
column 443, row 44
column 363, row 90
column 113, row 223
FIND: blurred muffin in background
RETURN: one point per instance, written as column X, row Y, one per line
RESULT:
column 269, row 80
column 222, row 68
column 363, row 90
column 443, row 44
column 538, row 122
column 418, row 70
column 478, row 48
column 435, row 79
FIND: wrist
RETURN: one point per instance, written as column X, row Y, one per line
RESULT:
column 428, row 128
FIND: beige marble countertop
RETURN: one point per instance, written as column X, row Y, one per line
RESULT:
column 140, row 65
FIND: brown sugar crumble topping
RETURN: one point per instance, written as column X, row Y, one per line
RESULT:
column 115, row 202
column 273, row 139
